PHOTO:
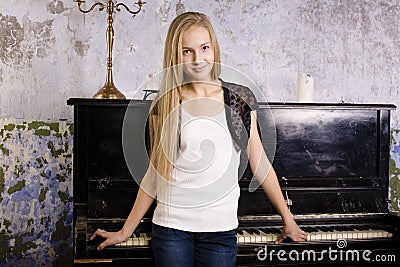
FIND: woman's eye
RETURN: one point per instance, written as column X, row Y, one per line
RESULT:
column 186, row 52
column 206, row 47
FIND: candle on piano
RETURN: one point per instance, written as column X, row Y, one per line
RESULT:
column 305, row 87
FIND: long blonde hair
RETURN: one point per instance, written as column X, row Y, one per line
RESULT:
column 164, row 126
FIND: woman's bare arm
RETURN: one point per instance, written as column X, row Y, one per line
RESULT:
column 266, row 176
column 141, row 206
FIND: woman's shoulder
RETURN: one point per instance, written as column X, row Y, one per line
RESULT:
column 243, row 92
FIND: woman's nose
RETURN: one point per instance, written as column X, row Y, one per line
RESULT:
column 196, row 57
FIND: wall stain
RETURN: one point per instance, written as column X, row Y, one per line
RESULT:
column 1, row 183
column 40, row 38
column 17, row 187
column 55, row 152
column 62, row 231
column 42, row 195
column 4, row 150
column 21, row 246
column 179, row 8
column 19, row 170
column 163, row 11
column 5, row 250
column 21, row 43
column 64, row 197
column 42, row 132
column 55, row 7
column 9, row 127
column 12, row 35
column 38, row 124
column 81, row 48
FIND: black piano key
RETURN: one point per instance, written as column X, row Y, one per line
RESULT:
column 373, row 227
column 263, row 232
column 313, row 229
column 277, row 231
column 271, row 231
column 307, row 229
column 340, row 228
column 325, row 229
column 257, row 232
column 361, row 227
column 250, row 231
column 347, row 228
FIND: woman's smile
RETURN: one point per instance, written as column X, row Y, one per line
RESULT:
column 199, row 68
column 197, row 53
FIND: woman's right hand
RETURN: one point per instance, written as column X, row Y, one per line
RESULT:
column 111, row 238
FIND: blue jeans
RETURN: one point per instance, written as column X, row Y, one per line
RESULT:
column 176, row 248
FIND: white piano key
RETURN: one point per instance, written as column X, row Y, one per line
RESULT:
column 263, row 237
column 257, row 237
column 334, row 236
column 247, row 237
column 388, row 235
column 349, row 235
column 240, row 238
column 142, row 241
column 365, row 235
column 370, row 234
column 267, row 237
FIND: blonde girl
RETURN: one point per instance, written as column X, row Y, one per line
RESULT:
column 199, row 126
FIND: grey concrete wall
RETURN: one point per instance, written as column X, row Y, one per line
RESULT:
column 50, row 51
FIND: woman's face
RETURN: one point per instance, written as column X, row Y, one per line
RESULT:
column 197, row 53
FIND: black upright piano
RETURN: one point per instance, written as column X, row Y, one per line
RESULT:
column 332, row 162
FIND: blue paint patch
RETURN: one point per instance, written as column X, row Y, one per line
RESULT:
column 396, row 149
column 33, row 222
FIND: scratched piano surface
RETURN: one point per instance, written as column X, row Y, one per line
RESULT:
column 332, row 161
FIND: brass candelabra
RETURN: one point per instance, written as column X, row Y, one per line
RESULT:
column 109, row 90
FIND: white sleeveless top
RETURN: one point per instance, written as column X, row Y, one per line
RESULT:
column 204, row 192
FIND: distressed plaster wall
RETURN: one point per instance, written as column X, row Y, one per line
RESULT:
column 49, row 52
column 35, row 193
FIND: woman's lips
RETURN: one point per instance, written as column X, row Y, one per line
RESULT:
column 199, row 69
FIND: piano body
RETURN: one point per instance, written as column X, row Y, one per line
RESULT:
column 332, row 162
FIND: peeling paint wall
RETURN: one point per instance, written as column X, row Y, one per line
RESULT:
column 394, row 171
column 35, row 193
column 49, row 52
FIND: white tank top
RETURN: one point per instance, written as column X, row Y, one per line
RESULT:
column 204, row 192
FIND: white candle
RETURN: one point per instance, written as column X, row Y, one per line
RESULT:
column 305, row 87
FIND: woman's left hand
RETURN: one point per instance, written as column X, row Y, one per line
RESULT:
column 293, row 231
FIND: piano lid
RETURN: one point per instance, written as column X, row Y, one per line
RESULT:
column 315, row 141
column 328, row 158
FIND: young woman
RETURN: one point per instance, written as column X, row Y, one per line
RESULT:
column 199, row 125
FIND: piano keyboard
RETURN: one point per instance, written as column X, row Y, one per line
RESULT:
column 136, row 240
column 354, row 232
column 314, row 233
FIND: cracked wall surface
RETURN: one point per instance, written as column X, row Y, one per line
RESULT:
column 50, row 52
column 35, row 193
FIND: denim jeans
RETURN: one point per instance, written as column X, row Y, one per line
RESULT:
column 176, row 248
